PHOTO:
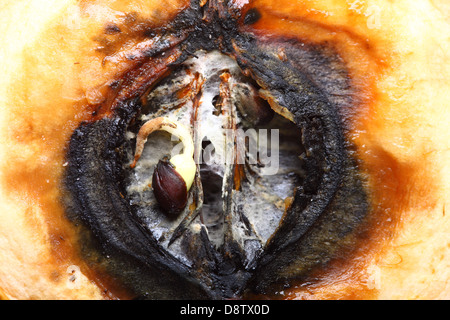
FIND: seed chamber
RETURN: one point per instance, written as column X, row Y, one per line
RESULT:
column 249, row 159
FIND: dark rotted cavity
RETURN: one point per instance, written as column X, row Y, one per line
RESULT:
column 252, row 16
column 169, row 188
column 327, row 210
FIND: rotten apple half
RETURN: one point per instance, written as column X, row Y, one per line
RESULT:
column 222, row 150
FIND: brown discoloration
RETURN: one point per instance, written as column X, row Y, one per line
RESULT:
column 52, row 93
